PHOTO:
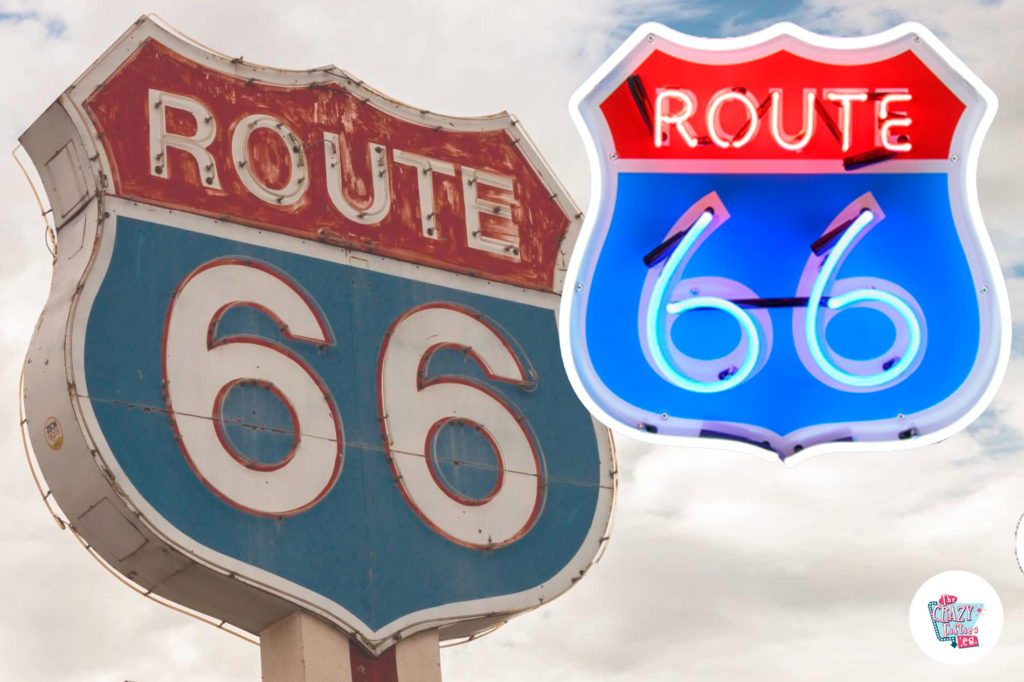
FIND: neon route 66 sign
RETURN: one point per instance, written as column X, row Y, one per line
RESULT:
column 301, row 352
column 784, row 252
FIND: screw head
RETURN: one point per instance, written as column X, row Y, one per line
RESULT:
column 664, row 416
column 579, row 286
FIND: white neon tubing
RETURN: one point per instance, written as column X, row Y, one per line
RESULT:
column 805, row 135
column 851, row 298
column 889, row 123
column 657, row 303
column 712, row 119
column 678, row 119
column 845, row 99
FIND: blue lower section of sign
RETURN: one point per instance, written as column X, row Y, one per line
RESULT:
column 764, row 245
column 361, row 546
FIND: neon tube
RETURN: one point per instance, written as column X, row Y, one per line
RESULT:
column 852, row 298
column 657, row 303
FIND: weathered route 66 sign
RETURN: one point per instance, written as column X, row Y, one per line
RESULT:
column 784, row 251
column 301, row 348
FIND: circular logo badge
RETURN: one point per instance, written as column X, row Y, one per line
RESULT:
column 956, row 617
column 53, row 432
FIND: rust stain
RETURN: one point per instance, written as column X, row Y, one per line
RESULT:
column 120, row 112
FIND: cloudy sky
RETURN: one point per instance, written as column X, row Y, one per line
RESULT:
column 721, row 567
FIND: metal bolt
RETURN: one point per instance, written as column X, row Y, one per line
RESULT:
column 954, row 158
column 664, row 416
column 650, row 37
column 984, row 290
column 900, row 416
column 579, row 286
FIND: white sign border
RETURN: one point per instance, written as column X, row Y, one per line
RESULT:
column 460, row 618
column 645, row 40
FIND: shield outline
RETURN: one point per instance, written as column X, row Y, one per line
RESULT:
column 92, row 219
column 980, row 108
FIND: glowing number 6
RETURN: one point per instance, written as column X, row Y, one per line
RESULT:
column 812, row 309
column 671, row 295
column 413, row 408
column 199, row 370
column 878, row 294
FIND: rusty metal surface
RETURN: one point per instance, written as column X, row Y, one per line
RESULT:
column 527, row 257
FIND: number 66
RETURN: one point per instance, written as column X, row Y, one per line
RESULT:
column 813, row 309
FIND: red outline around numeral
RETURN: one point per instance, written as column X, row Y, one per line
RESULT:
column 225, row 439
column 328, row 340
column 421, row 384
column 439, row 477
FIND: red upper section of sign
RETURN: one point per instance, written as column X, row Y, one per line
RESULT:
column 933, row 110
column 121, row 113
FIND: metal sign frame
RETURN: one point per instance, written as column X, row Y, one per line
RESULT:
column 93, row 490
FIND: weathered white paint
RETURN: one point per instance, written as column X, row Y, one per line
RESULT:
column 419, row 409
column 501, row 210
column 298, row 177
column 427, row 167
column 196, row 374
column 339, row 163
column 160, row 140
